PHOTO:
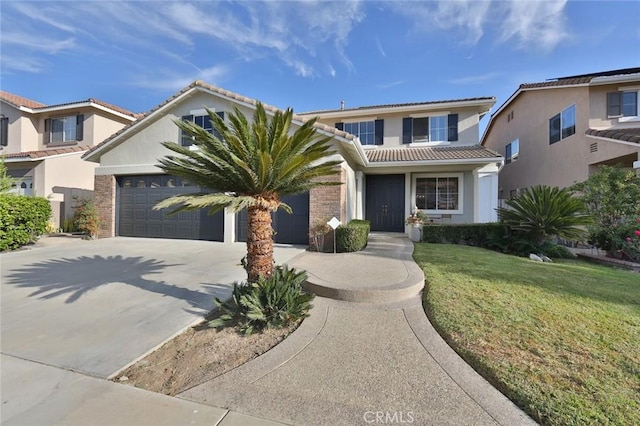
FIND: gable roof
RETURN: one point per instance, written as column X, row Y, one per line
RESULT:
column 422, row 154
column 37, row 107
column 117, row 137
column 602, row 77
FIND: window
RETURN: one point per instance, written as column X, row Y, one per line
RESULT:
column 562, row 125
column 512, row 151
column 622, row 104
column 369, row 132
column 203, row 121
column 439, row 193
column 64, row 129
column 4, row 131
column 440, row 128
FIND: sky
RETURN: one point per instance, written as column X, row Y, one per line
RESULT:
column 308, row 55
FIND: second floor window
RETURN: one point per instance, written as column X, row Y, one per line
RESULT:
column 512, row 151
column 622, row 104
column 369, row 132
column 203, row 121
column 562, row 125
column 64, row 129
column 439, row 128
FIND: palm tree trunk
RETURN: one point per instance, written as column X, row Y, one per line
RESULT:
column 259, row 243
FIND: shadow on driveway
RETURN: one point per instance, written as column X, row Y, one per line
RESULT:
column 74, row 277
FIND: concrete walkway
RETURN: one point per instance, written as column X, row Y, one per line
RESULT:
column 362, row 363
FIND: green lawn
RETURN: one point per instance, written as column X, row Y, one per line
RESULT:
column 562, row 340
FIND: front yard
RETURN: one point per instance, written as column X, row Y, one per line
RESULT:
column 561, row 340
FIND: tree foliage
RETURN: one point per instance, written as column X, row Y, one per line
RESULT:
column 250, row 165
column 6, row 181
column 542, row 212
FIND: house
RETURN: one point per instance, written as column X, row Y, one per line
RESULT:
column 441, row 168
column 42, row 146
column 559, row 131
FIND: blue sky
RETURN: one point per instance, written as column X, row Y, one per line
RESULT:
column 307, row 54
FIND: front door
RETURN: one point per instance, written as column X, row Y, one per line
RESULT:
column 385, row 202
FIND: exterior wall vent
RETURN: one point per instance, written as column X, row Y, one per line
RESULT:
column 593, row 147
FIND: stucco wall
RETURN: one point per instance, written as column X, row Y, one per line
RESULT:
column 468, row 123
column 23, row 134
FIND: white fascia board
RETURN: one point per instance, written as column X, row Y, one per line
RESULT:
column 129, row 169
column 433, row 162
column 599, row 81
column 68, row 107
column 600, row 138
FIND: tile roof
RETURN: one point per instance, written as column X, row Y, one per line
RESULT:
column 223, row 92
column 579, row 79
column 487, row 98
column 34, row 155
column 430, row 153
column 19, row 101
column 626, row 135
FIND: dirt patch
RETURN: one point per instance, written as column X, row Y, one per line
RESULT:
column 198, row 355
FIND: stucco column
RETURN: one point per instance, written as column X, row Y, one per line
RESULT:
column 229, row 226
column 359, row 195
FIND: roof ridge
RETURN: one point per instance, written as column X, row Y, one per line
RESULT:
column 433, row 102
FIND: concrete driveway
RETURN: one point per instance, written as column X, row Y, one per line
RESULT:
column 91, row 308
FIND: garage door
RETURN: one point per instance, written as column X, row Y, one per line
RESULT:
column 136, row 218
column 289, row 228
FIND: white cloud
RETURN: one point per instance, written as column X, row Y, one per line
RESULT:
column 390, row 85
column 22, row 64
column 380, row 48
column 34, row 43
column 173, row 81
column 476, row 79
column 533, row 25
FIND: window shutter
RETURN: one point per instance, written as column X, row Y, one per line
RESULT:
column 340, row 126
column 79, row 127
column 614, row 104
column 407, row 129
column 554, row 129
column 4, row 131
column 507, row 154
column 379, row 132
column 47, row 131
column 453, row 127
column 185, row 139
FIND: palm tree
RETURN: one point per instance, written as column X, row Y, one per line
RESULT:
column 250, row 165
column 542, row 212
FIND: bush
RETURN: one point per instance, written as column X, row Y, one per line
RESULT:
column 22, row 219
column 85, row 217
column 273, row 302
column 477, row 234
column 353, row 237
column 556, row 251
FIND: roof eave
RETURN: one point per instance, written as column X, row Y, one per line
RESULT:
column 435, row 162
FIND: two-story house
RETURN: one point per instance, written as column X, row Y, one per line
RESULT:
column 393, row 158
column 559, row 131
column 42, row 146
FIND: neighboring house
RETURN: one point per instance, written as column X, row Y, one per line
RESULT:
column 42, row 146
column 559, row 131
column 452, row 176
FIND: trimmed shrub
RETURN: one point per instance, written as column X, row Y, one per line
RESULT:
column 273, row 302
column 85, row 217
column 556, row 251
column 353, row 237
column 22, row 219
column 476, row 234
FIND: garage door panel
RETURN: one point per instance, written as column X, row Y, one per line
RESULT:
column 136, row 218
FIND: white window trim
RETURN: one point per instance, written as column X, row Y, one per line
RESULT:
column 512, row 159
column 359, row 120
column 431, row 143
column 460, row 177
column 429, row 114
column 636, row 118
column 435, row 143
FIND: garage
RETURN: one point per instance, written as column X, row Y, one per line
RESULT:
column 136, row 218
column 289, row 228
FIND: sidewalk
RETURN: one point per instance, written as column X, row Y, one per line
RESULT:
column 358, row 363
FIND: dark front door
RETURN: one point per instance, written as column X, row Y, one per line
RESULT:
column 288, row 228
column 136, row 218
column 385, row 202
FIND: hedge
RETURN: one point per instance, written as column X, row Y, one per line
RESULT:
column 477, row 234
column 352, row 237
column 22, row 219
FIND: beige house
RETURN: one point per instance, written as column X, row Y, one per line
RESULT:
column 42, row 146
column 559, row 131
column 393, row 158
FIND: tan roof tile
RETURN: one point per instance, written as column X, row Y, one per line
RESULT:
column 430, row 153
column 19, row 100
column 626, row 135
column 489, row 98
column 34, row 155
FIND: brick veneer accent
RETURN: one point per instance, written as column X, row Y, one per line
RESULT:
column 326, row 202
column 104, row 198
